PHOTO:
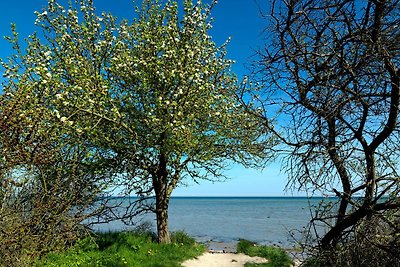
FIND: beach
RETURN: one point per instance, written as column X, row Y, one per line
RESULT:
column 222, row 260
column 226, row 256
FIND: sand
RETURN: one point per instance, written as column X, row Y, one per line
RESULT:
column 222, row 260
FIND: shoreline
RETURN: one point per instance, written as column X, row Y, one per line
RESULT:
column 214, row 240
column 220, row 243
column 224, row 247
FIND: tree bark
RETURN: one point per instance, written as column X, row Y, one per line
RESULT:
column 341, row 170
column 329, row 240
column 160, row 183
column 162, row 203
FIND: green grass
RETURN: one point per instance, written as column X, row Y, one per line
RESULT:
column 126, row 249
column 277, row 257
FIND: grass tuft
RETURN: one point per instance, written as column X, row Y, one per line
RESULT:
column 182, row 238
column 276, row 257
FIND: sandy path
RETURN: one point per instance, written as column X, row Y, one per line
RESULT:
column 222, row 260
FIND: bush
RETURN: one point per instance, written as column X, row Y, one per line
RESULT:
column 33, row 223
column 46, row 182
column 315, row 262
column 374, row 242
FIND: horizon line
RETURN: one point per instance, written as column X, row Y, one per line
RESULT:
column 237, row 196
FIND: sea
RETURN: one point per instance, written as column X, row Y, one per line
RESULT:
column 265, row 220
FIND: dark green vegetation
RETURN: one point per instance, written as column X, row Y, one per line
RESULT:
column 277, row 257
column 126, row 249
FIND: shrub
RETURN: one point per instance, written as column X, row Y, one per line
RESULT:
column 374, row 242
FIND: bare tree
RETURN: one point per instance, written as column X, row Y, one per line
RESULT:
column 331, row 71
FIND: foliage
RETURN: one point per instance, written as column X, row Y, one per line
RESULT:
column 155, row 98
column 124, row 249
column 48, row 180
column 331, row 70
column 45, row 185
column 277, row 257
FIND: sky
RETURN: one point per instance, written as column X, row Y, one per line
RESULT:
column 240, row 20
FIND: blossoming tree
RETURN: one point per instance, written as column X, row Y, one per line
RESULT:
column 157, row 94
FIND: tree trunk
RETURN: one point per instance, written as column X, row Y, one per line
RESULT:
column 162, row 202
column 160, row 183
column 329, row 240
column 341, row 170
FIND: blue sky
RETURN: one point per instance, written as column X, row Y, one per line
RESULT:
column 238, row 19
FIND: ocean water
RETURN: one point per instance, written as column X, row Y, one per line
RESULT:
column 265, row 220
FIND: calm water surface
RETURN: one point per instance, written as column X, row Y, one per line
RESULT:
column 265, row 220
